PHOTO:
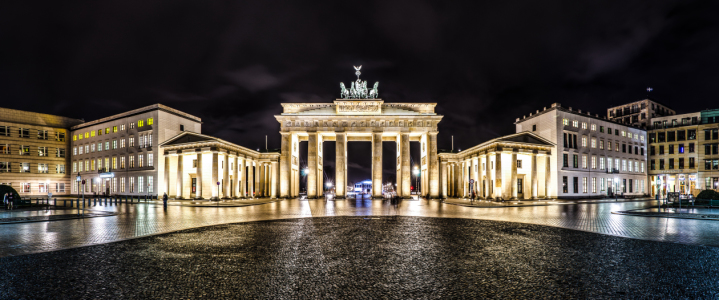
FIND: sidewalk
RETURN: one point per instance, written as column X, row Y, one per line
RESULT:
column 674, row 212
column 215, row 203
column 518, row 203
column 36, row 214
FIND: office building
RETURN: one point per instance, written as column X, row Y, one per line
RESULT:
column 673, row 153
column 638, row 113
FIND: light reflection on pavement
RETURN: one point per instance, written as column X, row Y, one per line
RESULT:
column 136, row 220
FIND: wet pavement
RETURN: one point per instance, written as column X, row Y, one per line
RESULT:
column 144, row 219
column 373, row 257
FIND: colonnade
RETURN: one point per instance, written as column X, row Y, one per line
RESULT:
column 211, row 173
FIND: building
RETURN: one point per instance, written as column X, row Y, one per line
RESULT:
column 198, row 166
column 510, row 167
column 363, row 187
column 674, row 154
column 118, row 154
column 709, row 150
column 638, row 113
column 595, row 157
column 34, row 154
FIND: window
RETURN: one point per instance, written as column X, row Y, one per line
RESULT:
column 132, row 142
column 114, row 185
column 122, row 162
column 122, row 143
column 691, row 147
column 624, row 148
column 114, row 144
column 139, row 160
column 576, row 185
column 641, row 138
column 661, row 150
column 25, row 187
column 584, row 125
column 671, row 149
column 601, row 129
column 691, row 163
column 5, row 130
column 671, row 136
column 565, row 185
column 87, row 148
column 642, row 170
column 194, row 164
column 182, row 127
column 681, row 135
column 5, row 167
column 671, row 164
column 534, row 127
column 149, row 161
column 652, row 165
column 107, row 146
column 132, row 161
column 584, row 185
column 681, row 163
column 594, row 162
column 601, row 145
column 24, row 167
column 609, row 164
column 140, row 182
column 132, row 125
column 565, row 141
column 594, row 127
column 92, row 147
column 24, row 150
column 132, row 183
column 624, row 133
column 92, row 133
column 24, row 132
column 41, row 151
column 59, row 187
column 92, row 165
column 594, row 184
column 114, row 162
column 601, row 163
column 122, row 127
column 661, row 164
column 624, row 165
column 576, row 161
column 566, row 160
column 60, row 169
column 584, row 141
column 107, row 164
column 42, row 134
column 149, row 121
column 74, row 167
column 149, row 184
column 81, row 167
column 616, row 145
column 140, row 123
column 575, row 123
column 60, row 152
column 681, row 148
column 584, row 161
column 87, row 165
column 661, row 137
column 122, row 185
column 594, row 142
column 149, row 141
column 609, row 145
column 114, row 129
column 691, row 134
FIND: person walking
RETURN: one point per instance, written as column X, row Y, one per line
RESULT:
column 10, row 201
column 164, row 200
column 4, row 201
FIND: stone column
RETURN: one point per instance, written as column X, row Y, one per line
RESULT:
column 180, row 188
column 251, row 178
column 256, row 179
column 406, row 168
column 226, row 177
column 340, row 165
column 166, row 176
column 273, row 179
column 261, row 179
column 235, row 177
column 215, row 174
column 433, row 166
column 443, row 171
column 312, row 165
column 547, row 175
column 482, row 165
column 267, row 179
column 376, row 165
column 450, row 184
column 398, row 167
column 198, row 188
column 498, row 175
column 242, row 169
column 471, row 162
column 535, row 180
column 513, row 184
column 285, row 165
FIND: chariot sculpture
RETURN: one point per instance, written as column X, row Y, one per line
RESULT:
column 358, row 89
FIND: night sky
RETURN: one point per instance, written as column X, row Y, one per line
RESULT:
column 232, row 62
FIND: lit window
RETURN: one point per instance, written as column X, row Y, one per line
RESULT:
column 114, row 144
column 114, row 162
column 584, row 141
column 122, row 127
column 601, row 163
column 74, row 137
column 140, row 123
column 624, row 133
column 584, row 161
column 92, row 133
column 107, row 130
column 79, row 137
column 139, row 160
column 149, row 121
column 87, row 135
column 114, row 128
column 594, row 127
column 584, row 125
column 594, row 143
column 575, row 123
column 149, row 182
column 565, row 121
column 641, row 138
column 594, row 162
column 149, row 160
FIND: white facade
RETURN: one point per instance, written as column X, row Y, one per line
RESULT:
column 598, row 158
column 123, row 149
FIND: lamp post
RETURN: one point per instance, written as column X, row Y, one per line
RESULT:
column 305, row 171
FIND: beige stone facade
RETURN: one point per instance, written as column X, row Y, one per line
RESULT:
column 34, row 152
column 357, row 120
column 198, row 166
column 638, row 113
column 516, row 166
column 674, row 149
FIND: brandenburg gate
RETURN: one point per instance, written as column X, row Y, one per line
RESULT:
column 357, row 116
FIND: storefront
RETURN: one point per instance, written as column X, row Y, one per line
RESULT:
column 668, row 183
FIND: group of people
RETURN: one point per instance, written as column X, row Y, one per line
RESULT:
column 8, row 201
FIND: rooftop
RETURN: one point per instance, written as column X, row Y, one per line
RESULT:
column 139, row 111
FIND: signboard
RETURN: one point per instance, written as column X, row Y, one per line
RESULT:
column 83, row 181
column 107, row 175
column 692, row 177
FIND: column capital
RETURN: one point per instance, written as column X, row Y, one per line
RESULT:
column 433, row 132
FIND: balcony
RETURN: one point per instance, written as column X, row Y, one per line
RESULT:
column 612, row 171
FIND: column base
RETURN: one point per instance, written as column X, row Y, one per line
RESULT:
column 339, row 197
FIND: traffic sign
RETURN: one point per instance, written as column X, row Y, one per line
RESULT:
column 218, row 183
column 83, row 181
column 471, row 181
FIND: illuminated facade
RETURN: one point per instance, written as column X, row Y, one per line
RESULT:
column 34, row 152
column 594, row 157
column 674, row 150
column 119, row 155
column 638, row 113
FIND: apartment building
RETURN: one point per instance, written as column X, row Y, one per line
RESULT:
column 34, row 155
column 594, row 157
column 638, row 113
column 119, row 154
column 708, row 175
column 674, row 150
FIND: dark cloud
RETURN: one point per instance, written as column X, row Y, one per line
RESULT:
column 232, row 62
